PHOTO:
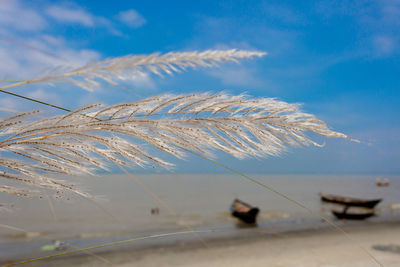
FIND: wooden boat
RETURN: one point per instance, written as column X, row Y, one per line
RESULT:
column 349, row 201
column 384, row 182
column 352, row 216
column 244, row 211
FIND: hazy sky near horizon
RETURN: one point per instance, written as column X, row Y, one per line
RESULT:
column 340, row 59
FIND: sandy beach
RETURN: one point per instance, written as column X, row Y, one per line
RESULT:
column 199, row 133
column 313, row 247
column 285, row 236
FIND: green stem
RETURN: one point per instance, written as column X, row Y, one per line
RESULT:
column 204, row 157
column 34, row 100
column 322, row 217
column 110, row 244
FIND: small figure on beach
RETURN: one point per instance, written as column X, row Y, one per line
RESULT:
column 155, row 211
column 384, row 182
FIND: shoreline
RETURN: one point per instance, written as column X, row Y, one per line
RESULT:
column 282, row 228
column 314, row 246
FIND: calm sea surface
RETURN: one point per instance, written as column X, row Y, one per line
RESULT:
column 122, row 207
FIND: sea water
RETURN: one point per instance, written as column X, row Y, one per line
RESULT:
column 122, row 207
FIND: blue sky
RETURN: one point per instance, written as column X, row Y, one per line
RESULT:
column 340, row 59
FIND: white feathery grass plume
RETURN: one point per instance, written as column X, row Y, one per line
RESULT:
column 88, row 138
column 111, row 70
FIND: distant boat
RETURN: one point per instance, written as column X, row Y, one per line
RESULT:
column 349, row 201
column 352, row 216
column 244, row 211
column 384, row 182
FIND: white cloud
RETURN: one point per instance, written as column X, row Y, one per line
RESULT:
column 77, row 15
column 378, row 23
column 143, row 81
column 390, row 12
column 38, row 53
column 26, row 55
column 9, row 105
column 20, row 16
column 8, row 64
column 45, row 95
column 238, row 33
column 384, row 45
column 330, row 8
column 71, row 15
column 14, row 15
column 23, row 55
column 237, row 76
column 131, row 18
column 283, row 14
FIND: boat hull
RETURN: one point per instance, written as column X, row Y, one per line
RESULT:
column 347, row 201
column 244, row 212
column 249, row 217
column 352, row 216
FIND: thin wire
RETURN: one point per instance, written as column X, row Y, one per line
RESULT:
column 13, row 228
column 291, row 200
column 109, row 244
column 162, row 202
column 87, row 252
column 228, row 168
column 52, row 210
column 36, row 49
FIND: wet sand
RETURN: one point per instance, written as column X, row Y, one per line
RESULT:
column 286, row 235
column 313, row 247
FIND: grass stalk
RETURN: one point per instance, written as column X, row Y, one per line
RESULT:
column 29, row 98
column 110, row 244
column 297, row 203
